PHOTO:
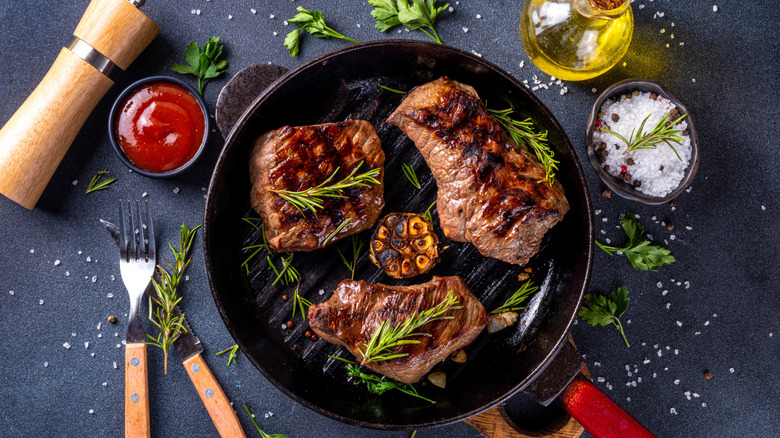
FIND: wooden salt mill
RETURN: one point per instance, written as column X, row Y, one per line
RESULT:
column 109, row 37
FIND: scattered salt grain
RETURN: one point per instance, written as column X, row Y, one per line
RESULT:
column 676, row 352
column 668, row 305
column 46, row 364
column 478, row 16
column 714, row 8
column 105, row 383
column 731, row 370
column 664, row 292
column 697, row 333
column 600, row 380
column 11, row 292
column 230, row 17
column 91, row 411
column 94, row 278
column 67, row 273
column 655, row 375
column 115, row 367
column 66, row 345
column 144, row 194
column 465, row 30
column 32, row 251
column 92, row 354
column 677, row 382
column 596, row 364
column 695, row 395
column 704, row 405
column 522, row 64
column 73, row 334
column 75, row 181
column 646, row 361
column 763, row 207
column 673, row 411
column 706, row 323
column 253, row 10
column 57, row 262
column 659, row 285
column 79, row 253
column 86, row 344
column 109, row 295
column 272, row 16
column 679, row 324
column 659, row 353
column 284, row 326
column 176, row 190
column 40, row 302
column 321, row 292
column 100, row 335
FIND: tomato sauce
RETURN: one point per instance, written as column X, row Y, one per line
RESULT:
column 160, row 126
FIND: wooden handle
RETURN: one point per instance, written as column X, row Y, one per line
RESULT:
column 136, row 392
column 36, row 138
column 215, row 400
column 117, row 29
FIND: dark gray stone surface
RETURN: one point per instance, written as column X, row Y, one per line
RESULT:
column 729, row 256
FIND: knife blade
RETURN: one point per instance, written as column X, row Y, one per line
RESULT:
column 189, row 347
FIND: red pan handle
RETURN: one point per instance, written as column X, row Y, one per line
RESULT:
column 597, row 413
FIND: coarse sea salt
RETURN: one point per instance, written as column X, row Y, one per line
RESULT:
column 658, row 169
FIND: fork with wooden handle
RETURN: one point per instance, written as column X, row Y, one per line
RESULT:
column 137, row 260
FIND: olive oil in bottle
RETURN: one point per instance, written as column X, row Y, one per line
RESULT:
column 576, row 39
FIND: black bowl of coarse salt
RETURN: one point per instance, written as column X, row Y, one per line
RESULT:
column 654, row 165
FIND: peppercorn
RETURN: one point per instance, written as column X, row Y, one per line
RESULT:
column 606, row 193
column 602, row 159
column 615, row 117
column 601, row 114
column 669, row 226
column 637, row 183
column 529, row 270
column 635, row 92
column 607, row 167
column 289, row 324
column 314, row 337
column 708, row 375
column 623, row 97
column 627, row 176
column 653, row 96
column 112, row 319
column 523, row 276
column 307, row 334
column 685, row 132
column 630, row 161
column 673, row 113
column 603, row 153
column 672, row 203
column 285, row 298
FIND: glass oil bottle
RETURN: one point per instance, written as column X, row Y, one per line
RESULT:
column 576, row 39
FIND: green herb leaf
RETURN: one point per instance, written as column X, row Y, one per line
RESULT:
column 262, row 434
column 394, row 90
column 357, row 247
column 313, row 198
column 203, row 64
column 300, row 302
column 390, row 334
column 411, row 175
column 523, row 133
column 427, row 215
column 603, row 310
column 379, row 386
column 642, row 255
column 257, row 248
column 313, row 23
column 96, row 184
column 513, row 302
column 233, row 350
column 166, row 295
column 336, row 231
column 288, row 274
column 650, row 140
column 414, row 14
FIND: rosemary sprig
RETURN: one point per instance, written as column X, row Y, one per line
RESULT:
column 262, row 434
column 662, row 133
column 357, row 247
column 379, row 386
column 427, row 213
column 336, row 231
column 513, row 302
column 96, row 184
column 300, row 302
column 394, row 90
column 251, row 221
column 233, row 350
column 523, row 133
column 256, row 249
column 288, row 274
column 312, row 198
column 166, row 295
column 411, row 175
column 388, row 335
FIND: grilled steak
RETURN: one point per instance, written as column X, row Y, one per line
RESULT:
column 299, row 158
column 357, row 308
column 488, row 191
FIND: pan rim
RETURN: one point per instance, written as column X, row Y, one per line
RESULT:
column 576, row 174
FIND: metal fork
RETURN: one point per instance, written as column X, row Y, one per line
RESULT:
column 137, row 259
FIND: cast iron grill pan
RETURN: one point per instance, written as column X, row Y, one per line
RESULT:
column 341, row 86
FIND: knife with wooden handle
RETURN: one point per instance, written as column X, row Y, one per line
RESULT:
column 211, row 394
column 109, row 37
column 189, row 348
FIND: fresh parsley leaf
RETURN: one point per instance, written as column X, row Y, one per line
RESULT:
column 414, row 14
column 605, row 310
column 313, row 23
column 203, row 64
column 642, row 255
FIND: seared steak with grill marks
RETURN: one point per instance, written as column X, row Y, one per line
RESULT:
column 489, row 192
column 299, row 158
column 357, row 308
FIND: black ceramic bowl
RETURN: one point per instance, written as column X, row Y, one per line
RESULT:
column 619, row 186
column 115, row 112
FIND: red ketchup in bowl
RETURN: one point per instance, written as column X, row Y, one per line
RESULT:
column 160, row 126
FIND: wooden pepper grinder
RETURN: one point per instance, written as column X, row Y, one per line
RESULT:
column 109, row 37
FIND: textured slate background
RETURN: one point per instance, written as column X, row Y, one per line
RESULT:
column 729, row 256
